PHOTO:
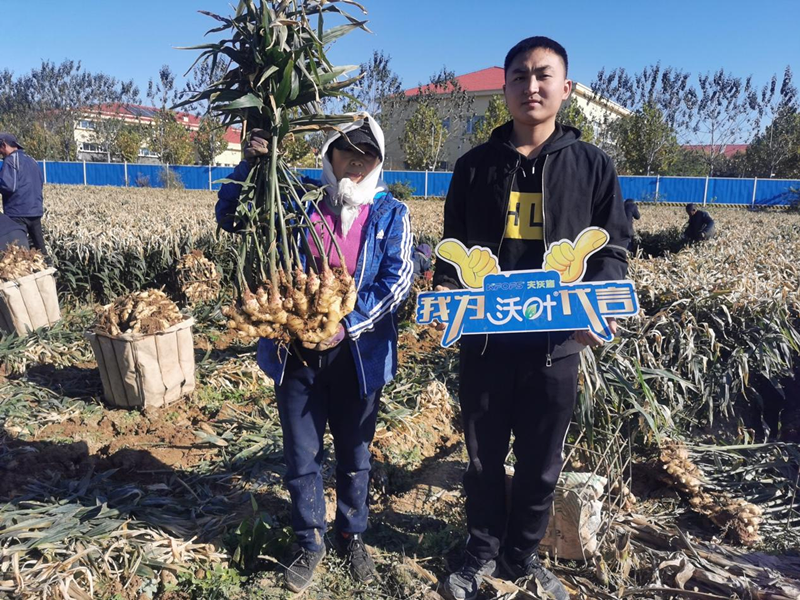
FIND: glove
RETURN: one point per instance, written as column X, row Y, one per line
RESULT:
column 569, row 258
column 472, row 266
column 257, row 145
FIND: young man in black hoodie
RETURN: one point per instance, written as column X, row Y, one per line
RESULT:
column 533, row 183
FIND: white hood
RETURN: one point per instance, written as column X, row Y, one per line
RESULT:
column 346, row 194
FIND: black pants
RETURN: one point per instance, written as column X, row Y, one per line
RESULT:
column 34, row 227
column 503, row 392
column 326, row 390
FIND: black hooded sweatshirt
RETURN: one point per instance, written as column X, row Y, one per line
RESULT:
column 577, row 188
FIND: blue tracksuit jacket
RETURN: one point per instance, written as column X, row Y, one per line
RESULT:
column 383, row 274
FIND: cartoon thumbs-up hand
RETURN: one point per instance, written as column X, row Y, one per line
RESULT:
column 569, row 258
column 472, row 265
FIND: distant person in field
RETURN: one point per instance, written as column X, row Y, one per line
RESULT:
column 12, row 232
column 21, row 185
column 338, row 382
column 532, row 184
column 700, row 226
column 631, row 212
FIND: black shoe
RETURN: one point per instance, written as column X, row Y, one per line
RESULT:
column 352, row 548
column 300, row 571
column 464, row 583
column 533, row 567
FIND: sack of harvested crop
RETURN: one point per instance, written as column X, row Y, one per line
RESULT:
column 28, row 297
column 144, row 351
column 575, row 516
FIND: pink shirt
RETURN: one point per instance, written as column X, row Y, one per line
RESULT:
column 350, row 246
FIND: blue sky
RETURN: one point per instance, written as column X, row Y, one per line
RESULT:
column 132, row 39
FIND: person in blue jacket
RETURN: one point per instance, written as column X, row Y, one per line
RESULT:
column 21, row 185
column 339, row 381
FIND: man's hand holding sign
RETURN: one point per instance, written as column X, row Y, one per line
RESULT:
column 550, row 299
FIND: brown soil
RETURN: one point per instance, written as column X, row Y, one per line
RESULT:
column 138, row 444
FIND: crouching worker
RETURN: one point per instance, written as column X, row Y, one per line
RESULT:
column 701, row 225
column 338, row 382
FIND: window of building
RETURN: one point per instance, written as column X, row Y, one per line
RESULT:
column 92, row 148
column 86, row 124
column 148, row 153
column 474, row 123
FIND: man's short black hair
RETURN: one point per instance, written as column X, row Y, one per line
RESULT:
column 691, row 207
column 532, row 43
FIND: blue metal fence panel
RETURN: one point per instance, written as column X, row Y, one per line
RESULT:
column 311, row 173
column 145, row 176
column 193, row 178
column 65, row 172
column 439, row 183
column 681, row 189
column 218, row 173
column 414, row 179
column 101, row 174
column 641, row 189
column 772, row 192
column 769, row 192
column 730, row 191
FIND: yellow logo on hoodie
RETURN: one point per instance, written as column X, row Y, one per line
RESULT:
column 524, row 219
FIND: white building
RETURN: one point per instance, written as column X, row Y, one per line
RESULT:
column 90, row 150
column 483, row 85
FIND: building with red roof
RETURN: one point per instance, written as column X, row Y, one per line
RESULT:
column 483, row 85
column 90, row 150
column 727, row 149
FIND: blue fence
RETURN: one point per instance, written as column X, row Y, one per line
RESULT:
column 701, row 190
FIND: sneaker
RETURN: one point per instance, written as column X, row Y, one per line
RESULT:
column 533, row 567
column 464, row 583
column 352, row 548
column 300, row 571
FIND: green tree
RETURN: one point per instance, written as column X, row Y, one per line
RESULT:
column 439, row 111
column 297, row 151
column 129, row 142
column 423, row 138
column 209, row 140
column 173, row 140
column 378, row 82
column 571, row 114
column 496, row 115
column 44, row 107
column 646, row 144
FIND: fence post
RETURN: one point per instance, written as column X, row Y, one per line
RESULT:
column 755, row 184
column 44, row 169
column 426, row 183
column 126, row 172
column 705, row 192
column 209, row 178
column 84, row 172
column 658, row 181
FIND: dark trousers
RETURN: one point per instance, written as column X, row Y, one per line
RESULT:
column 33, row 225
column 326, row 390
column 503, row 392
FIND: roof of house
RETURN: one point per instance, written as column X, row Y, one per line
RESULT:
column 147, row 113
column 727, row 149
column 485, row 80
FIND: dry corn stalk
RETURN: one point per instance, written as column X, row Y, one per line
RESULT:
column 197, row 277
column 737, row 517
column 17, row 262
column 146, row 312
